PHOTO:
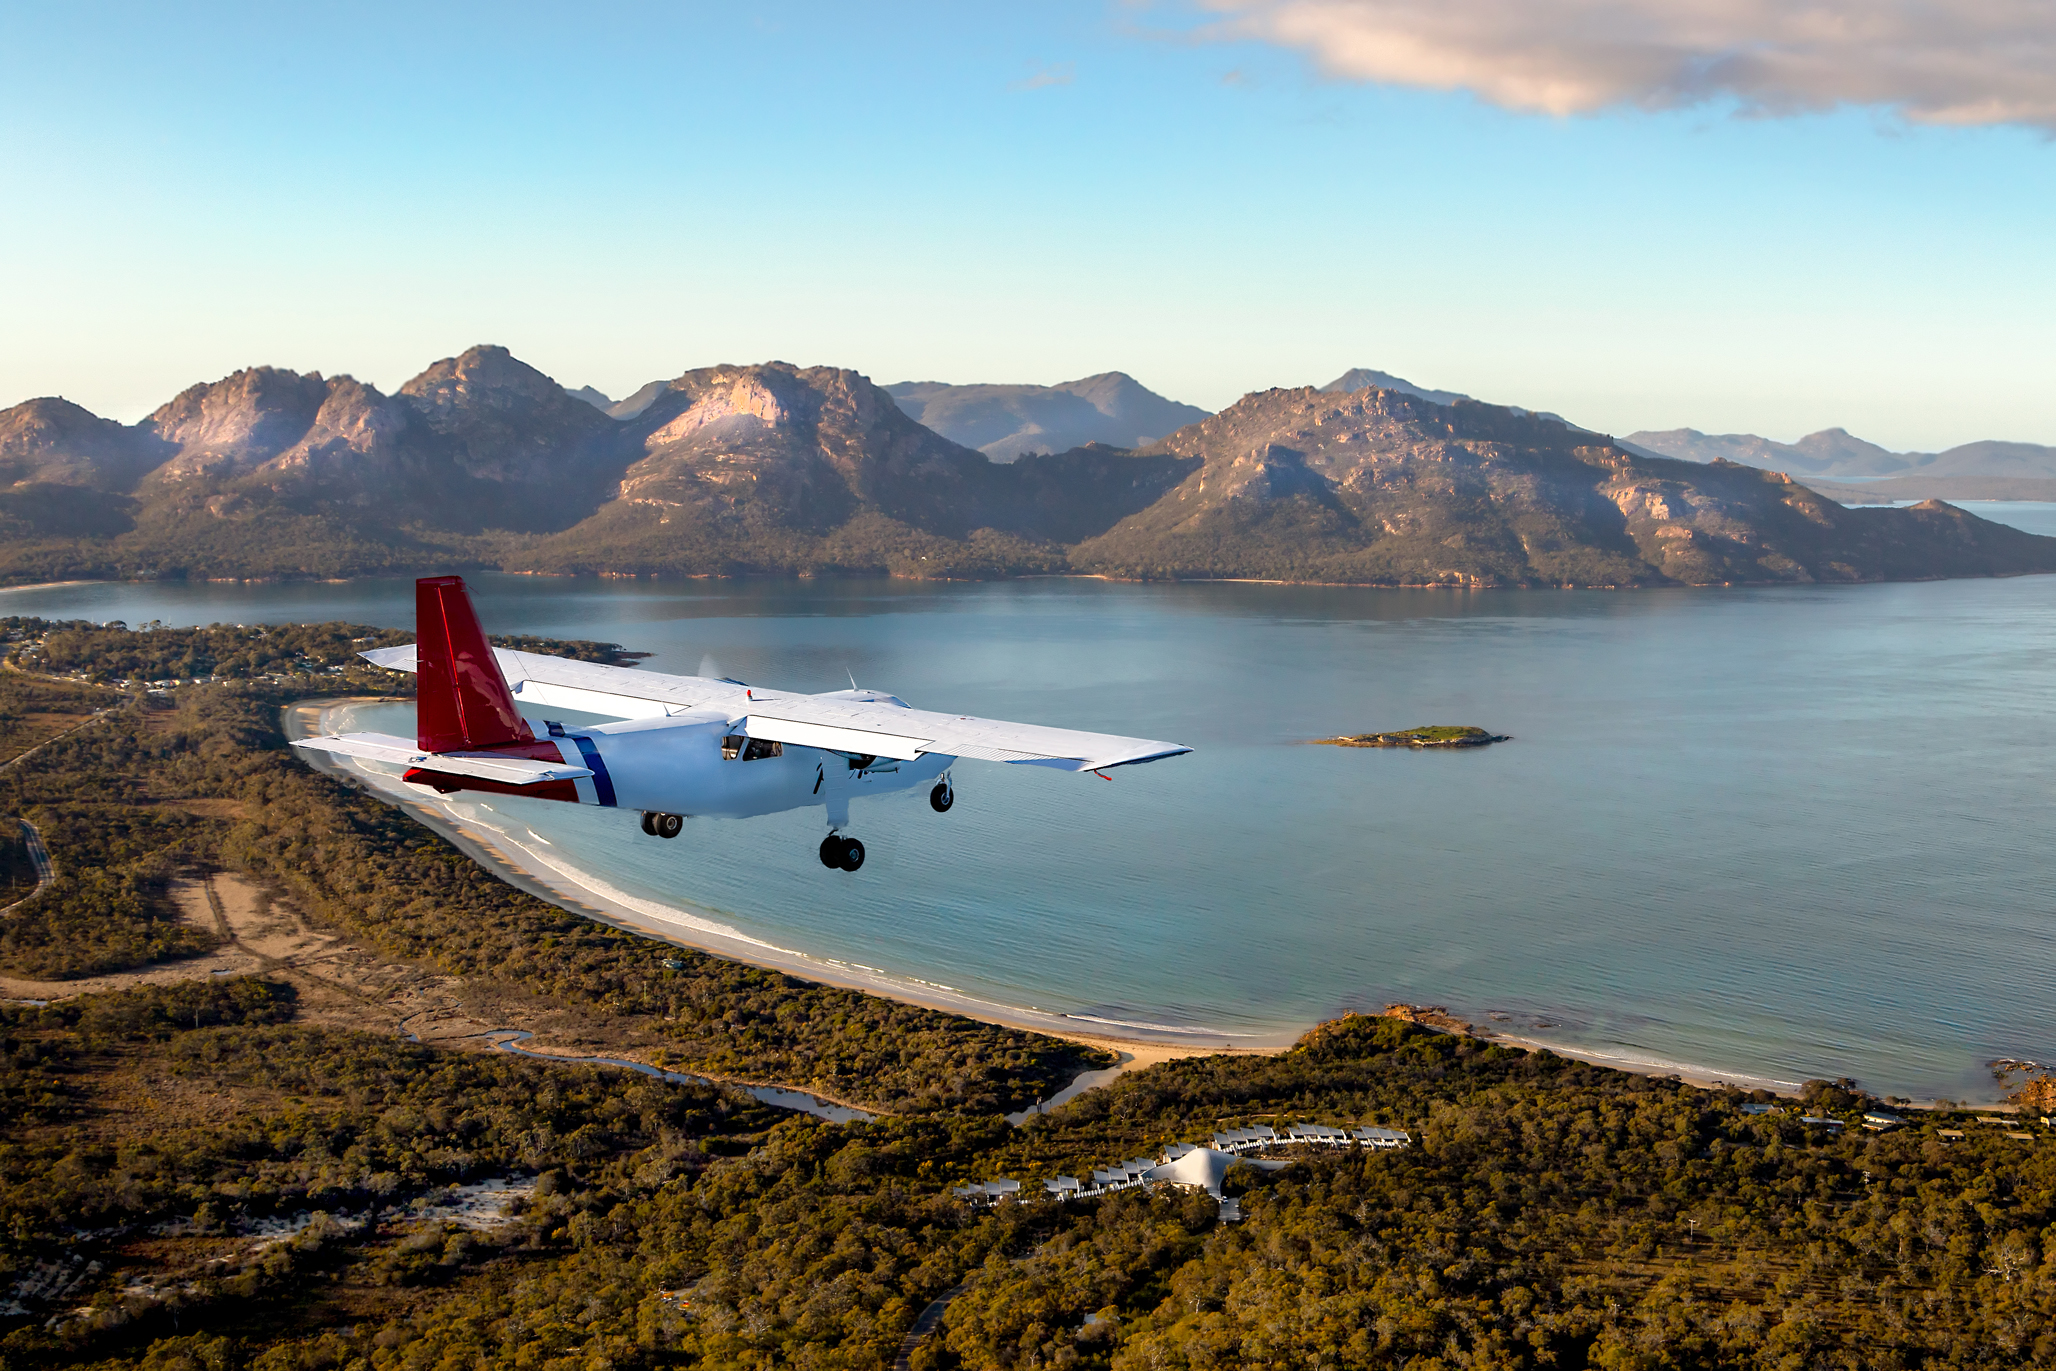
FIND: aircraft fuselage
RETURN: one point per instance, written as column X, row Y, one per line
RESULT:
column 680, row 768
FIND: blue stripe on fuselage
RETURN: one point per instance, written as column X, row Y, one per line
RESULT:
column 603, row 784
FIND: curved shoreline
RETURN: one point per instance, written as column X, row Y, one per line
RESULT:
column 585, row 895
column 535, row 871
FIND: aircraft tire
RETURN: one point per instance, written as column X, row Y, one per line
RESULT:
column 831, row 851
column 668, row 825
column 852, row 854
column 942, row 797
column 649, row 823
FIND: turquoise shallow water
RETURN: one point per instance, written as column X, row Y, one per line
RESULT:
column 1770, row 832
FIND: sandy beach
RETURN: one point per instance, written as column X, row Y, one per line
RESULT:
column 530, row 865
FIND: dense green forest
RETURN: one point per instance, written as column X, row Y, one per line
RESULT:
column 201, row 1176
column 1550, row 1214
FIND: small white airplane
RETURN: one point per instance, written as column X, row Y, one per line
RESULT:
column 687, row 745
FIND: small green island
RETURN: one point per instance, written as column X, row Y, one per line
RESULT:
column 1435, row 735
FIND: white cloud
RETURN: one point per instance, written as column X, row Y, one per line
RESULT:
column 1059, row 74
column 1931, row 61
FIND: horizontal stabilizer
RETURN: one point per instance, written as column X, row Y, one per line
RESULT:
column 489, row 766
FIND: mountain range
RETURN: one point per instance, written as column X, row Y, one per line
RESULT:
column 1005, row 422
column 482, row 460
column 1833, row 457
column 1358, row 378
column 1385, row 487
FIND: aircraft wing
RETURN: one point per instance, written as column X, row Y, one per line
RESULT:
column 384, row 747
column 859, row 722
column 892, row 730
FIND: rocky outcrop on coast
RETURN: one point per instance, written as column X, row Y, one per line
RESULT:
column 1428, row 1016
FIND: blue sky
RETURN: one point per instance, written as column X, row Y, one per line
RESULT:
column 970, row 192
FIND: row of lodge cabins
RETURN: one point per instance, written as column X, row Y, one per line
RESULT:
column 1192, row 1166
column 1312, row 1134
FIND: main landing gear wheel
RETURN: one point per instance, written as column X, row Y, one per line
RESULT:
column 942, row 797
column 662, row 825
column 838, row 851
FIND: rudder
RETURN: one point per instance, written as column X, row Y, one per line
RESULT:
column 462, row 701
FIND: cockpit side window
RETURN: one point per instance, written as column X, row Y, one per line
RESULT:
column 735, row 745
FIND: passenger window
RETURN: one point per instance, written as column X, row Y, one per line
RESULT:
column 749, row 749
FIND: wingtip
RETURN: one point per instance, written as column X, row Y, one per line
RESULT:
column 1173, row 750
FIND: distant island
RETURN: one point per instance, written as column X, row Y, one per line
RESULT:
column 1434, row 735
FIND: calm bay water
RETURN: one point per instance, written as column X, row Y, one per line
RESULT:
column 1777, row 833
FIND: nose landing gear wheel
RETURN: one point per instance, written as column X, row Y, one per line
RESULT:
column 662, row 825
column 942, row 797
column 838, row 851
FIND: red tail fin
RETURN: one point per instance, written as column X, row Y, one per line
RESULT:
column 463, row 702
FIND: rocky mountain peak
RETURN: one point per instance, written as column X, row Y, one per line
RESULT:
column 1833, row 445
column 731, row 403
column 37, row 428
column 1109, row 392
column 493, row 417
column 355, row 425
column 239, row 422
column 728, row 402
column 486, row 377
column 802, row 447
column 53, row 440
column 1361, row 378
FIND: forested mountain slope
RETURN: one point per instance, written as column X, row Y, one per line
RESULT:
column 1382, row 487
